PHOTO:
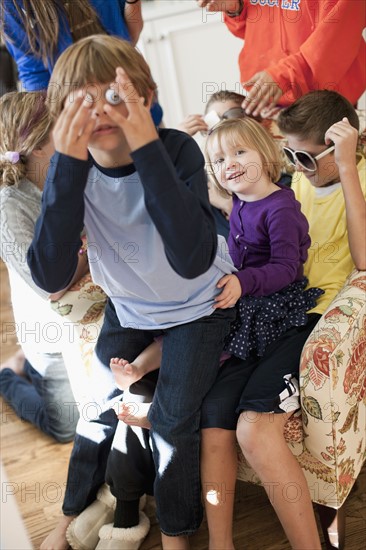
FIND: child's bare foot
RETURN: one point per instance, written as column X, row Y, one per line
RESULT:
column 15, row 363
column 56, row 540
column 125, row 373
column 133, row 414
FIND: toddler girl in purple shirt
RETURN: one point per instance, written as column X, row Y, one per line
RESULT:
column 268, row 238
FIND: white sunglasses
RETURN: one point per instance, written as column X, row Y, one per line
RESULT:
column 304, row 159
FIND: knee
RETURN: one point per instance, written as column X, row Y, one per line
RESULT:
column 62, row 432
column 252, row 433
column 63, row 427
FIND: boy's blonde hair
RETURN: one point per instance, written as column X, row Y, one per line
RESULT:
column 93, row 60
column 25, row 125
column 246, row 131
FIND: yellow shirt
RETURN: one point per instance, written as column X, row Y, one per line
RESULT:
column 329, row 261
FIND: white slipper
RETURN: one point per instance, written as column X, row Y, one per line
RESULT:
column 83, row 531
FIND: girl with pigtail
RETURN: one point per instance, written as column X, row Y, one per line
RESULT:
column 34, row 381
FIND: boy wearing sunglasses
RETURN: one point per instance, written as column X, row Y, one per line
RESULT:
column 330, row 183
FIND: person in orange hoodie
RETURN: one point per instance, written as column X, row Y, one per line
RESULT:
column 296, row 46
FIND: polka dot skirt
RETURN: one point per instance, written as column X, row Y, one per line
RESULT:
column 262, row 319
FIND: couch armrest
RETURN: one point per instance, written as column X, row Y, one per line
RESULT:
column 82, row 310
column 333, row 385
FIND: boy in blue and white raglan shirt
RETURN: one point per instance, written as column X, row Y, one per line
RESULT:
column 143, row 199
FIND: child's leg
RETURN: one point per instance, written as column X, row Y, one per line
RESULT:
column 130, row 469
column 46, row 400
column 218, row 478
column 22, row 395
column 130, row 473
column 268, row 399
column 59, row 401
column 264, row 446
column 97, row 423
column 175, row 543
column 190, row 363
column 218, row 449
column 126, row 373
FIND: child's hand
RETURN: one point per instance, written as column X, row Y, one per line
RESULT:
column 225, row 204
column 344, row 136
column 193, row 124
column 74, row 127
column 138, row 126
column 230, row 294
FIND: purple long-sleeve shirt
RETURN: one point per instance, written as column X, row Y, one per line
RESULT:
column 268, row 242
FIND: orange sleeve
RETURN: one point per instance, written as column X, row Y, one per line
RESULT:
column 236, row 25
column 329, row 52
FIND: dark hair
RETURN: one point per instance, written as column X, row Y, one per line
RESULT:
column 314, row 113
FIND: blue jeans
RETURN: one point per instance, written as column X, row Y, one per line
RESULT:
column 44, row 400
column 189, row 366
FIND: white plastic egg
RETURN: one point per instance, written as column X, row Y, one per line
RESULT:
column 112, row 97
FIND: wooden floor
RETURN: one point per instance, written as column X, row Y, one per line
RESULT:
column 36, row 472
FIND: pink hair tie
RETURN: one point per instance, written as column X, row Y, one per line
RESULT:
column 11, row 156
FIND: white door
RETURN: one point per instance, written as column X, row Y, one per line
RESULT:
column 191, row 55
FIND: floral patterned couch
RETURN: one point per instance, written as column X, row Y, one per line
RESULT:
column 328, row 435
column 81, row 309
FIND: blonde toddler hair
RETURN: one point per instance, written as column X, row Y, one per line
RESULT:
column 93, row 60
column 248, row 132
column 25, row 125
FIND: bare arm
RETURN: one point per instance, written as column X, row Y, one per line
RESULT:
column 344, row 136
column 134, row 22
